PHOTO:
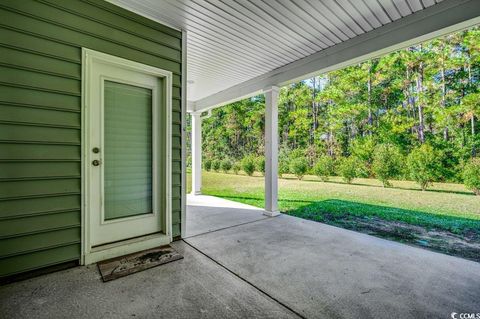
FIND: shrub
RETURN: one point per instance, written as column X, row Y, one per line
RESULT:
column 226, row 165
column 207, row 164
column 260, row 164
column 296, row 153
column 471, row 175
column 450, row 159
column 363, row 149
column 236, row 167
column 299, row 167
column 248, row 165
column 216, row 165
column 348, row 168
column 362, row 169
column 283, row 161
column 324, row 167
column 387, row 163
column 283, row 168
column 423, row 165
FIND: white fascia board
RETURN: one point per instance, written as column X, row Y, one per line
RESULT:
column 190, row 106
column 446, row 17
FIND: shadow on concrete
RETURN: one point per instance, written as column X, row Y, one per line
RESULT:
column 322, row 271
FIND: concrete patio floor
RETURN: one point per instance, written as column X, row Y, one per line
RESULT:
column 194, row 287
column 209, row 213
column 240, row 264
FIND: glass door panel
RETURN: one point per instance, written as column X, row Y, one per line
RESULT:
column 128, row 150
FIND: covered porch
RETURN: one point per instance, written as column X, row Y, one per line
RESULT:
column 428, row 20
column 238, row 261
column 244, row 264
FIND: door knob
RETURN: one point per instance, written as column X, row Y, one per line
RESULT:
column 95, row 162
column 96, row 150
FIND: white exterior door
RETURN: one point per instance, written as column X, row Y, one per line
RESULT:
column 123, row 153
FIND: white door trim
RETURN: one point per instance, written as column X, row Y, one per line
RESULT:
column 89, row 254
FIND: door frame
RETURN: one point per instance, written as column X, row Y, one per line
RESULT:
column 88, row 254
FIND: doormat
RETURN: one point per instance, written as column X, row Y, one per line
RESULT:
column 125, row 265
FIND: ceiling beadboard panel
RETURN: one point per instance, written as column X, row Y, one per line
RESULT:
column 232, row 41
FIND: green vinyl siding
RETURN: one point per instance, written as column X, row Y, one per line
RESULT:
column 40, row 118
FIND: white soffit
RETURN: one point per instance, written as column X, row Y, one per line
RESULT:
column 233, row 41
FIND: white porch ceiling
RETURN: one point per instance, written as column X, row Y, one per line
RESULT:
column 232, row 41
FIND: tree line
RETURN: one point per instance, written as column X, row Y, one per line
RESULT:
column 411, row 114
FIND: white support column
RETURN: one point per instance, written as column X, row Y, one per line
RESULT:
column 196, row 153
column 271, row 151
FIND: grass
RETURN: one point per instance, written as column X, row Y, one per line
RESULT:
column 444, row 206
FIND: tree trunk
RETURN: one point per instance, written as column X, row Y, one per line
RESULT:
column 472, row 119
column 330, row 143
column 409, row 101
column 314, row 113
column 369, row 99
column 472, row 125
column 421, row 119
column 444, row 104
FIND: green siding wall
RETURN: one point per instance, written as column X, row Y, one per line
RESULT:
column 40, row 118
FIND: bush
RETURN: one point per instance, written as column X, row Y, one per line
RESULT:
column 248, row 165
column 387, row 163
column 362, row 169
column 216, row 165
column 283, row 168
column 296, row 153
column 363, row 149
column 207, row 164
column 450, row 159
column 236, row 168
column 423, row 165
column 348, row 168
column 324, row 167
column 260, row 164
column 226, row 165
column 283, row 161
column 471, row 175
column 299, row 167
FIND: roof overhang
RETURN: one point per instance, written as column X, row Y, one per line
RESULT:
column 235, row 49
column 443, row 18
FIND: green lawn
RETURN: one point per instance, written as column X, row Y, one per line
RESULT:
column 444, row 206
